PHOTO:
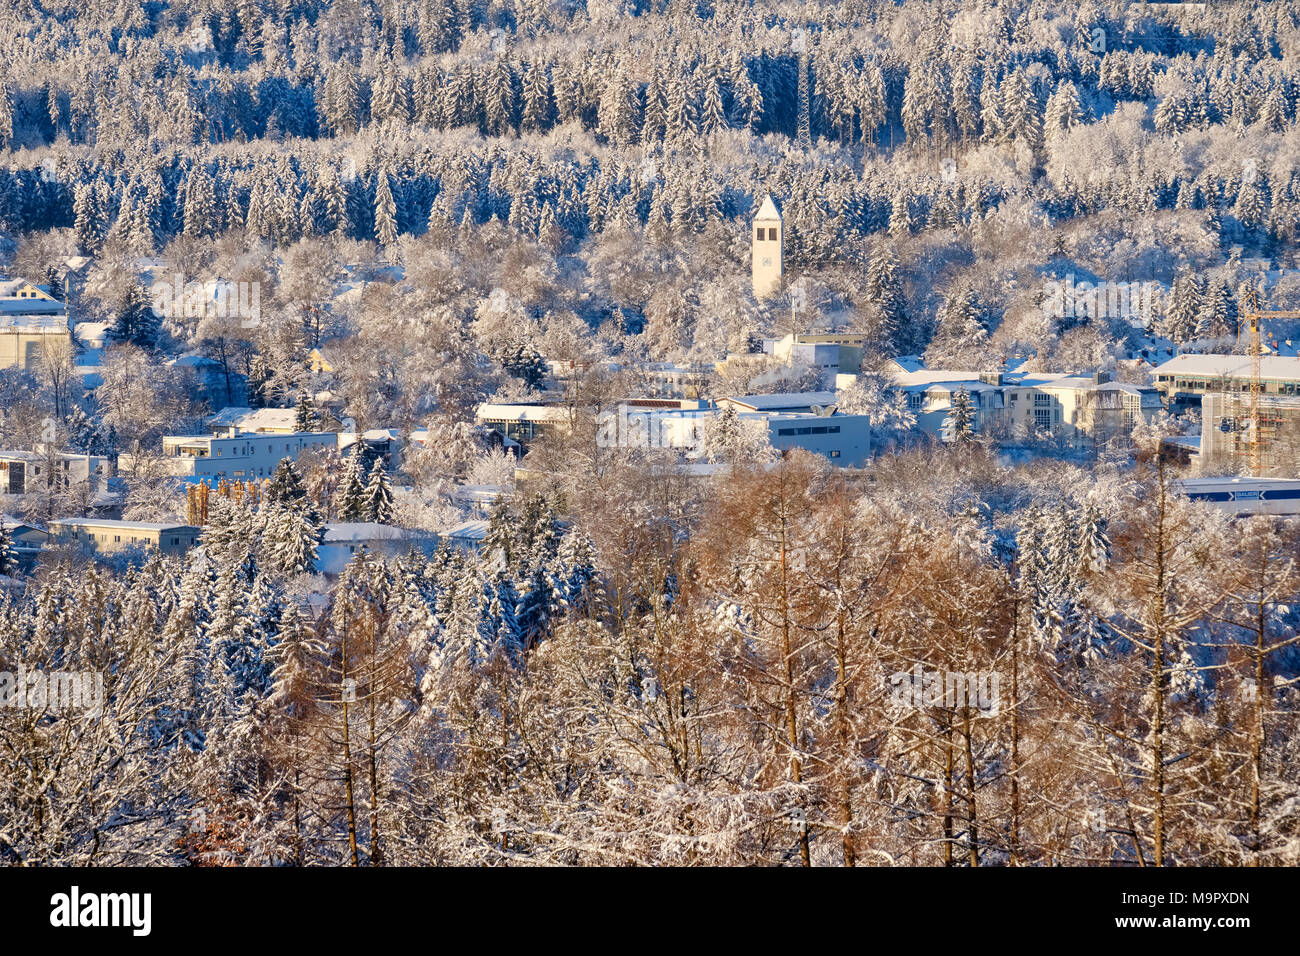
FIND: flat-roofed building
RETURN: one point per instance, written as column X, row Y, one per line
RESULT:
column 240, row 457
column 1185, row 378
column 259, row 421
column 830, row 353
column 24, row 472
column 843, row 439
column 105, row 536
column 779, row 402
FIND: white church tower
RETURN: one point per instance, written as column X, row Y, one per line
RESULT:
column 768, row 242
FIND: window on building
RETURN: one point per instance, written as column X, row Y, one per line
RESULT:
column 1043, row 418
column 762, row 233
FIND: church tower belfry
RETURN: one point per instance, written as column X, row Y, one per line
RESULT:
column 768, row 245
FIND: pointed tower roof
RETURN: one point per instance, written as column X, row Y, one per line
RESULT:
column 768, row 210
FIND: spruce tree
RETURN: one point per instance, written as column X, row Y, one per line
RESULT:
column 8, row 559
column 377, row 499
column 285, row 485
column 349, row 500
column 959, row 425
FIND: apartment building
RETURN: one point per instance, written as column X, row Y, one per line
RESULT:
column 105, row 536
column 238, row 457
column 1073, row 409
column 1078, row 410
column 791, row 422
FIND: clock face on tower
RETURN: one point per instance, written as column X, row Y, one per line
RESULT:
column 767, row 261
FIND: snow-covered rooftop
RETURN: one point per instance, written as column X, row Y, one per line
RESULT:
column 469, row 532
column 337, row 532
column 767, row 212
column 492, row 411
column 783, row 401
column 123, row 525
column 255, row 419
column 1230, row 366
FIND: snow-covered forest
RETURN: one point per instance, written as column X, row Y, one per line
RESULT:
column 440, row 201
column 687, row 674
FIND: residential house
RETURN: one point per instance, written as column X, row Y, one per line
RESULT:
column 25, row 539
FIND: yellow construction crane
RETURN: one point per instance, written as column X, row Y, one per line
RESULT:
column 1252, row 318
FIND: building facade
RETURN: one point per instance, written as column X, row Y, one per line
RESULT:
column 33, row 323
column 24, row 472
column 1185, row 378
column 1227, row 431
column 104, row 536
column 241, row 457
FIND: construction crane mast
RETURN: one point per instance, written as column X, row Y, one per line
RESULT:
column 1253, row 316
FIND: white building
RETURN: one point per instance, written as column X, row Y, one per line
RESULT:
column 258, row 421
column 22, row 472
column 342, row 540
column 843, row 439
column 781, row 402
column 240, row 457
column 524, row 421
column 930, row 394
column 768, row 250
column 1078, row 410
column 1073, row 409
column 830, row 353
